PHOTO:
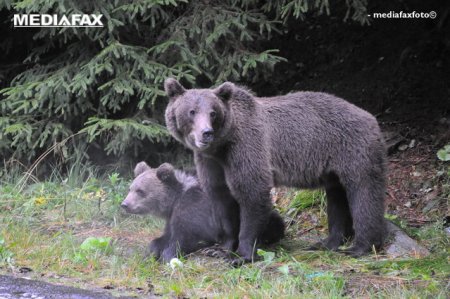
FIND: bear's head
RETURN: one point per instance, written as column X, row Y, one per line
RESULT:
column 153, row 191
column 198, row 118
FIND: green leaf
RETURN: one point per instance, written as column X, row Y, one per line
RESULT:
column 95, row 244
column 444, row 153
column 284, row 269
column 268, row 256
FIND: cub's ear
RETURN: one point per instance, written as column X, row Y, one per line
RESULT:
column 140, row 168
column 173, row 88
column 166, row 173
column 225, row 91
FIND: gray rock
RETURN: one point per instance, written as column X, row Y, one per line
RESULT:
column 401, row 245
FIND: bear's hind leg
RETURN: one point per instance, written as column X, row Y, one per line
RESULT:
column 340, row 224
column 366, row 202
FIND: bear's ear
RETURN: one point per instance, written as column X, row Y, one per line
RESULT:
column 173, row 88
column 140, row 168
column 225, row 91
column 166, row 173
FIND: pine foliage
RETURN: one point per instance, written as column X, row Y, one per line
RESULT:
column 106, row 83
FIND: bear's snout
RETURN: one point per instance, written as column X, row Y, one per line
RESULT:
column 207, row 135
column 124, row 205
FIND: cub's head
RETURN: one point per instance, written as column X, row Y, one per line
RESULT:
column 153, row 191
column 197, row 117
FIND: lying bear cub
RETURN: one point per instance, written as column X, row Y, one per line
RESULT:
column 193, row 221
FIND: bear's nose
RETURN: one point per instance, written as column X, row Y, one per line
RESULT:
column 208, row 133
column 124, row 205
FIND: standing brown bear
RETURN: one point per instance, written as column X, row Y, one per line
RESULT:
column 244, row 145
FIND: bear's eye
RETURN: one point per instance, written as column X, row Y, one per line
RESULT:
column 213, row 114
column 140, row 192
column 192, row 112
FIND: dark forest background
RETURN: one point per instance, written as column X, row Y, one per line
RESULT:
column 95, row 95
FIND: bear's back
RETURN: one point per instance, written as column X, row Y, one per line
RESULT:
column 318, row 104
column 318, row 131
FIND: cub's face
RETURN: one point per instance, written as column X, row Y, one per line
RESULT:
column 152, row 191
column 196, row 117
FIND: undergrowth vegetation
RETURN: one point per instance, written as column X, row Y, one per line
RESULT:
column 70, row 229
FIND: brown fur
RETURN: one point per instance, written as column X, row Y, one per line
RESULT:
column 302, row 139
column 192, row 220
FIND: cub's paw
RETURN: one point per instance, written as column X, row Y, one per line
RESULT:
column 216, row 252
column 316, row 246
column 237, row 261
column 355, row 251
column 329, row 243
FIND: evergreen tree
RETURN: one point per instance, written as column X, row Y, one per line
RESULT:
column 107, row 83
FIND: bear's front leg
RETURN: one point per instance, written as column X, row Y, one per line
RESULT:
column 156, row 246
column 255, row 214
column 250, row 182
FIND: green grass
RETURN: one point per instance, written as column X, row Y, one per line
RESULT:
column 43, row 226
